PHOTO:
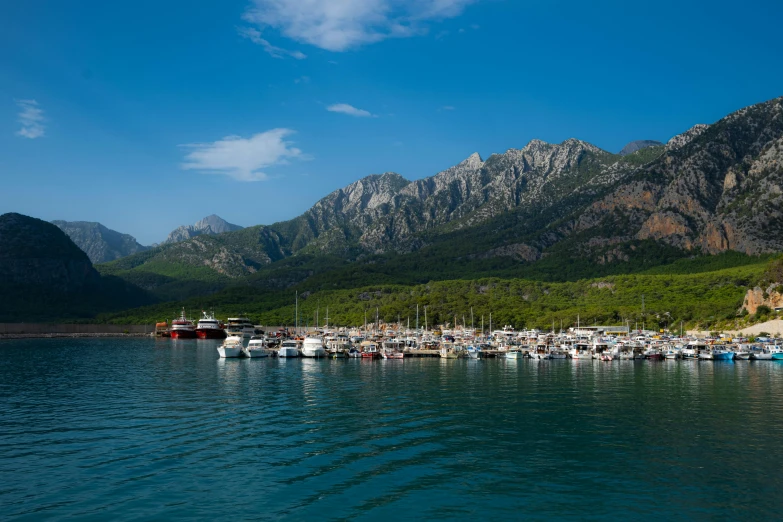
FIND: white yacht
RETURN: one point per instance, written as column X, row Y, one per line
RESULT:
column 288, row 348
column 313, row 347
column 231, row 347
column 256, row 348
column 241, row 326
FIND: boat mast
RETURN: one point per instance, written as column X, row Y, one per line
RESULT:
column 296, row 314
column 417, row 318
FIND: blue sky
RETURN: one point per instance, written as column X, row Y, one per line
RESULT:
column 147, row 115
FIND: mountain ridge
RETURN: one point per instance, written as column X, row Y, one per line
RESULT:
column 101, row 244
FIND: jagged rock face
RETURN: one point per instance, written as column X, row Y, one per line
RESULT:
column 38, row 254
column 209, row 225
column 716, row 188
column 638, row 145
column 100, row 243
column 771, row 297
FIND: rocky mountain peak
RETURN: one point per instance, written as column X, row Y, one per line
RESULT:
column 101, row 244
column 209, row 225
column 681, row 140
column 638, row 145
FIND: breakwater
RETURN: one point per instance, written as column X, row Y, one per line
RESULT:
column 32, row 330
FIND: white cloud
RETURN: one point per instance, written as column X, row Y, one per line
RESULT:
column 31, row 117
column 339, row 25
column 350, row 110
column 447, row 108
column 242, row 158
column 254, row 35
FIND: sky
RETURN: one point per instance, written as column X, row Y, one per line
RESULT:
column 148, row 115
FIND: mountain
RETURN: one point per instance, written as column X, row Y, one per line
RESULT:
column 209, row 225
column 546, row 211
column 45, row 276
column 638, row 145
column 98, row 242
column 38, row 253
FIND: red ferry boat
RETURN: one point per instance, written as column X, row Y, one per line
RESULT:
column 183, row 328
column 210, row 328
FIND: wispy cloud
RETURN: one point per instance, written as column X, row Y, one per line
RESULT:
column 340, row 25
column 447, row 108
column 254, row 35
column 350, row 110
column 31, row 116
column 243, row 158
column 302, row 79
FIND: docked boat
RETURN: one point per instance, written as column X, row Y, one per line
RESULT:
column 183, row 328
column 722, row 354
column 742, row 352
column 313, row 347
column 256, row 348
column 606, row 356
column 353, row 353
column 370, row 350
column 231, row 347
column 210, row 328
column 473, row 352
column 241, row 326
column 288, row 348
column 671, row 353
column 514, row 354
column 653, row 354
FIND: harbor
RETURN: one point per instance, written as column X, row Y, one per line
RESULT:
column 395, row 341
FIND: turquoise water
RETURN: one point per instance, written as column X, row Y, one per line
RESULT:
column 139, row 429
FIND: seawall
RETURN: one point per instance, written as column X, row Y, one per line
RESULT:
column 31, row 330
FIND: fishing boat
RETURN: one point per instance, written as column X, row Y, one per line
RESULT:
column 353, row 353
column 313, row 347
column 722, row 354
column 473, row 352
column 183, row 328
column 742, row 353
column 606, row 356
column 653, row 354
column 671, row 353
column 514, row 354
column 288, row 349
column 231, row 347
column 209, row 328
column 256, row 348
column 392, row 349
column 370, row 350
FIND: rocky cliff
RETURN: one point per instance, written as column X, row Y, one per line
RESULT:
column 101, row 244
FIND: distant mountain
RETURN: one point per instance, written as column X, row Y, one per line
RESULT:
column 100, row 243
column 209, row 225
column 38, row 253
column 638, row 145
column 44, row 276
column 708, row 190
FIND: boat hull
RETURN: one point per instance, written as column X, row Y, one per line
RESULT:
column 210, row 333
column 183, row 334
column 313, row 352
column 254, row 353
column 777, row 356
column 288, row 353
column 723, row 356
column 228, row 352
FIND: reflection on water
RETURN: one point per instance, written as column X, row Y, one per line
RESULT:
column 149, row 429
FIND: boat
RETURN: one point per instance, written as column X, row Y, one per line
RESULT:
column 231, row 347
column 370, row 350
column 183, row 328
column 514, row 354
column 671, row 353
column 209, row 328
column 241, row 326
column 313, row 347
column 256, row 348
column 722, row 354
column 653, row 354
column 288, row 348
column 392, row 349
column 742, row 353
column 353, row 353
column 473, row 352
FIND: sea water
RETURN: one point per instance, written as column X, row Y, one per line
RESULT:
column 98, row 429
